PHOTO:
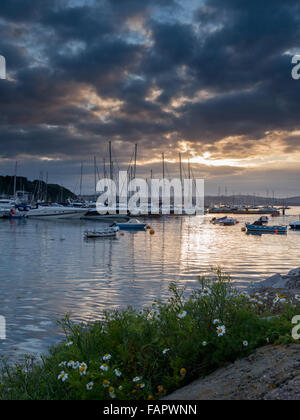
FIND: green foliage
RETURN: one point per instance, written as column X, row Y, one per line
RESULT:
column 152, row 352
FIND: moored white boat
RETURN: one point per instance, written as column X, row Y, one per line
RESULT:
column 56, row 212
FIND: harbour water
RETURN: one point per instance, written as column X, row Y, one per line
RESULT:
column 47, row 269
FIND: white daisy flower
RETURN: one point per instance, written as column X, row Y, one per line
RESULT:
column 82, row 368
column 165, row 351
column 182, row 314
column 104, row 367
column 107, row 357
column 90, row 386
column 245, row 343
column 63, row 376
column 62, row 364
column 106, row 383
column 216, row 321
column 71, row 364
column 205, row 292
column 221, row 330
column 118, row 372
column 69, row 343
column 204, row 343
column 297, row 297
column 136, row 379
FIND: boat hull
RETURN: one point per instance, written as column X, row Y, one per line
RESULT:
column 266, row 229
column 55, row 214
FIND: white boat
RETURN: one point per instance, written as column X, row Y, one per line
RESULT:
column 3, row 213
column 104, row 233
column 56, row 212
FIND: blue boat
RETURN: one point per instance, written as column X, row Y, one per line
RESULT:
column 265, row 229
column 133, row 224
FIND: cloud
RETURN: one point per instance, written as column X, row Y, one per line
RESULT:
column 81, row 73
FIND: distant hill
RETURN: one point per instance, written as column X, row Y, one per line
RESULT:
column 251, row 200
column 39, row 189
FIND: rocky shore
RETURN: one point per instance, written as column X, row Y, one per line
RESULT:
column 271, row 373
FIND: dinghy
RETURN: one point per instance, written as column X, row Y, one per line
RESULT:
column 133, row 224
column 104, row 233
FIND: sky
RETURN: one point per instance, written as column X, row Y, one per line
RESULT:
column 210, row 79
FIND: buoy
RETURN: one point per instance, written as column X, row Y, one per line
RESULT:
column 243, row 229
column 276, row 231
column 122, row 234
column 148, row 227
column 152, row 232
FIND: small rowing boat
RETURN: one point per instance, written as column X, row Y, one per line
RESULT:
column 104, row 233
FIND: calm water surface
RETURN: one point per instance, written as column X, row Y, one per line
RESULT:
column 42, row 277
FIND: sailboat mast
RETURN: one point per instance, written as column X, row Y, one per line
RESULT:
column 15, row 179
column 110, row 161
column 95, row 174
column 135, row 159
column 81, row 175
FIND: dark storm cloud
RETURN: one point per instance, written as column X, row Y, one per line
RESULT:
column 143, row 56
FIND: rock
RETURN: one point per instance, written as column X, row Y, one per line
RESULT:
column 274, row 374
column 289, row 282
column 294, row 273
column 276, row 282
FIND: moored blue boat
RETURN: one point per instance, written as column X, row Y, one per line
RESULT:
column 133, row 224
column 265, row 229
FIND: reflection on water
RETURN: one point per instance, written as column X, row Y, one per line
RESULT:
column 47, row 269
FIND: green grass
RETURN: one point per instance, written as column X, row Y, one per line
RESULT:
column 158, row 346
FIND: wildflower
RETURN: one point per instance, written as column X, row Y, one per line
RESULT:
column 279, row 298
column 253, row 299
column 297, row 297
column 165, row 351
column 205, row 292
column 69, row 343
column 111, row 317
column 216, row 321
column 150, row 397
column 107, row 356
column 118, row 372
column 140, row 386
column 160, row 389
column 120, row 388
column 90, row 386
column 136, row 379
column 245, row 343
column 70, row 363
column 106, row 383
column 104, row 367
column 111, row 391
column 221, row 330
column 181, row 314
column 63, row 376
column 62, row 364
column 183, row 372
column 82, row 369
column 154, row 304
column 260, row 302
column 204, row 343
